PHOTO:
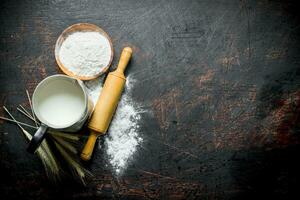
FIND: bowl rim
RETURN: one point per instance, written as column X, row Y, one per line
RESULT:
column 62, row 37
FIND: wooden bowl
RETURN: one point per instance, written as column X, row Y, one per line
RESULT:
column 80, row 27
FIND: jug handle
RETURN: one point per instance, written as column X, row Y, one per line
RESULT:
column 37, row 138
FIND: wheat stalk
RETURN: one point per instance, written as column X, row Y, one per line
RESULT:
column 76, row 168
column 67, row 136
column 65, row 144
column 43, row 152
column 18, row 122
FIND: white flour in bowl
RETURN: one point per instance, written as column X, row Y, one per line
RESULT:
column 123, row 138
column 85, row 53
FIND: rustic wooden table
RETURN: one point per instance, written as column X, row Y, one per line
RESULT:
column 221, row 79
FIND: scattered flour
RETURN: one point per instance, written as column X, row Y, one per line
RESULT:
column 123, row 135
column 85, row 53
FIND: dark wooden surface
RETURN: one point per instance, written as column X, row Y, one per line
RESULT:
column 221, row 79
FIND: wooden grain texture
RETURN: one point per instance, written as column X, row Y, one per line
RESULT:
column 221, row 79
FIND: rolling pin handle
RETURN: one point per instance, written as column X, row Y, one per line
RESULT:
column 124, row 59
column 87, row 151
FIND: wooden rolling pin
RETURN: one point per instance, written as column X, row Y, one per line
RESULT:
column 107, row 103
